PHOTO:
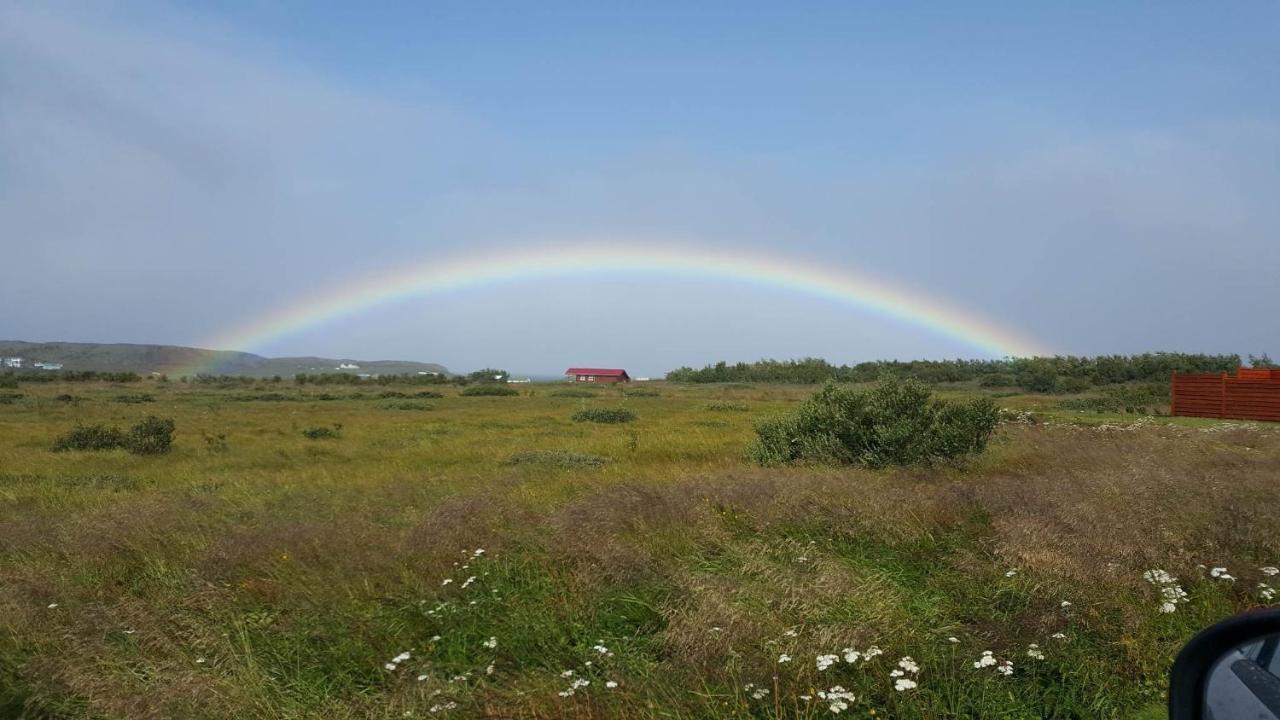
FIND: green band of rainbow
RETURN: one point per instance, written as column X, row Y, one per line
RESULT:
column 439, row 276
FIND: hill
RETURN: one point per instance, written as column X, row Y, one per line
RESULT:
column 176, row 360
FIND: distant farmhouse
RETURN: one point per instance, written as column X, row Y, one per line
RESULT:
column 47, row 366
column 13, row 362
column 348, row 366
column 597, row 375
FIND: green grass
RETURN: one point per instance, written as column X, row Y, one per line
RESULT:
column 296, row 568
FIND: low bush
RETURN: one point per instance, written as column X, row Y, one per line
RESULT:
column 406, row 405
column 429, row 394
column 640, row 392
column 1139, row 399
column 8, row 381
column 9, row 398
column 895, row 423
column 489, row 391
column 323, row 432
column 263, row 397
column 386, row 394
column 90, row 437
column 557, row 459
column 997, row 380
column 135, row 398
column 607, row 416
column 152, row 436
column 573, row 393
column 726, row 407
column 67, row 398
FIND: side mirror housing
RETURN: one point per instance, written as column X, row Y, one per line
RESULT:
column 1229, row 671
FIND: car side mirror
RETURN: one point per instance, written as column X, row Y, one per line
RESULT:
column 1229, row 671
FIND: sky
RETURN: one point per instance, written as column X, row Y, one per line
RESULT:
column 1098, row 177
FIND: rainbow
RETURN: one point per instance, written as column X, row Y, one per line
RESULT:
column 436, row 276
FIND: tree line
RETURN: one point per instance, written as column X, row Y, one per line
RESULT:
column 1062, row 373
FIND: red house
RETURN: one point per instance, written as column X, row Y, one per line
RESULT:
column 597, row 375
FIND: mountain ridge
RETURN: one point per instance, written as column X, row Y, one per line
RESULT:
column 174, row 359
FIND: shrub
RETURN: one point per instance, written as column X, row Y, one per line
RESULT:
column 90, row 437
column 604, row 415
column 640, row 392
column 406, row 405
column 726, row 407
column 895, row 423
column 489, row 391
column 322, row 432
column 135, row 398
column 429, row 394
column 392, row 394
column 152, row 436
column 9, row 398
column 263, row 397
column 67, row 398
column 8, row 381
column 997, row 380
column 573, row 393
column 556, row 458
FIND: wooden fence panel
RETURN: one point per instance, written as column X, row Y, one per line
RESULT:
column 1250, row 395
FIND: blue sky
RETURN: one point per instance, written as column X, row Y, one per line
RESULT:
column 1100, row 176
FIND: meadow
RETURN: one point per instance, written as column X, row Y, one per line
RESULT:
column 357, row 552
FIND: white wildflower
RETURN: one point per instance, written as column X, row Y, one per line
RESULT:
column 611, row 684
column 871, row 652
column 199, row 661
column 909, row 665
column 421, row 678
column 489, row 670
column 851, row 655
column 903, row 684
column 826, row 661
column 1034, row 652
column 1270, row 570
column 987, row 660
column 953, row 640
column 491, row 643
column 1266, row 591
column 1005, row 668
column 446, row 581
column 784, row 658
column 401, row 657
column 790, row 633
column 1167, row 607
column 53, row 605
column 837, row 698
column 1011, row 573
column 1066, row 604
column 1059, row 636
column 566, row 674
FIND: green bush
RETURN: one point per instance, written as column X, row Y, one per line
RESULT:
column 997, row 380
column 604, row 415
column 406, row 405
column 8, row 381
column 152, row 436
column 9, row 398
column 489, row 391
column 726, row 407
column 323, row 432
column 573, row 393
column 428, row 394
column 392, row 394
column 90, row 437
column 556, row 458
column 895, row 423
column 640, row 392
column 135, row 398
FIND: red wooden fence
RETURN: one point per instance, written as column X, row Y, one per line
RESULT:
column 1253, row 394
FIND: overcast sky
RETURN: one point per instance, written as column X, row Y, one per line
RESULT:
column 1102, row 177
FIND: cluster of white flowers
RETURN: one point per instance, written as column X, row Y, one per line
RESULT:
column 395, row 661
column 757, row 693
column 1011, row 573
column 451, row 705
column 1266, row 591
column 1269, row 570
column 1034, row 652
column 953, row 640
column 1221, row 574
column 574, row 685
column 601, row 649
column 905, row 666
column 784, row 658
column 852, row 656
column 1065, row 604
column 1059, row 636
column 826, row 661
column 1171, row 593
column 1004, row 667
column 491, row 643
column 837, row 699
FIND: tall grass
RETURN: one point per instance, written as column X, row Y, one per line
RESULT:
column 264, row 575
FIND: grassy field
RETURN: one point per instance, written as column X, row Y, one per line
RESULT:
column 490, row 557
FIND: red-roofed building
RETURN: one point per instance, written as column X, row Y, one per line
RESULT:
column 597, row 375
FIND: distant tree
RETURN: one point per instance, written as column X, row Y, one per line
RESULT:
column 1261, row 361
column 488, row 375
